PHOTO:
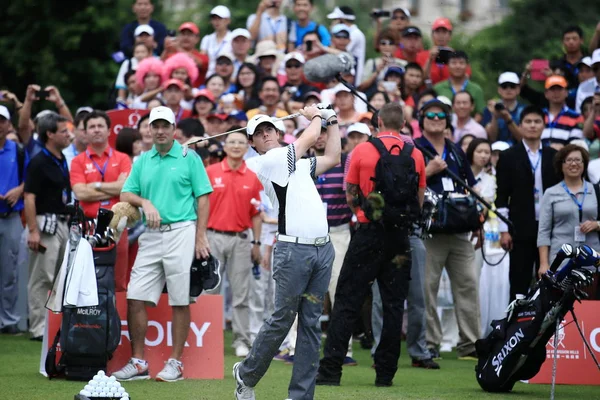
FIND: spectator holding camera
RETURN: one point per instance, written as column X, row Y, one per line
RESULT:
column 303, row 25
column 376, row 68
column 47, row 193
column 269, row 24
column 589, row 87
column 345, row 15
column 143, row 10
column 186, row 41
column 399, row 20
column 501, row 119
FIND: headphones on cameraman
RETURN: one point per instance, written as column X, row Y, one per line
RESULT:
column 437, row 103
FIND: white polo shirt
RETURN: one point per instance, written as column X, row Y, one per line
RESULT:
column 214, row 49
column 290, row 186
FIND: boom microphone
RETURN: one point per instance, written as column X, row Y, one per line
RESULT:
column 328, row 66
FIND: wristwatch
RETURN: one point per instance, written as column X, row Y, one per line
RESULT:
column 256, row 242
column 98, row 185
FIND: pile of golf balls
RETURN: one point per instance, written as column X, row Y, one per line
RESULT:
column 104, row 386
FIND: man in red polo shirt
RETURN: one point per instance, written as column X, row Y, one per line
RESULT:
column 232, row 213
column 378, row 251
column 97, row 177
column 441, row 33
column 98, row 174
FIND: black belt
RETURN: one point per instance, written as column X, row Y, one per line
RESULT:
column 242, row 235
column 7, row 214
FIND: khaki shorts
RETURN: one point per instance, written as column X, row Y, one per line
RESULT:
column 164, row 256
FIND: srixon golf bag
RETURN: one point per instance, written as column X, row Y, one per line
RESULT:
column 89, row 335
column 516, row 348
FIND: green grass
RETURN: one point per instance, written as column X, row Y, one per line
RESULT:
column 19, row 365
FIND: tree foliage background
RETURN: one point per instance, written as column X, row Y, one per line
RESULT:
column 69, row 43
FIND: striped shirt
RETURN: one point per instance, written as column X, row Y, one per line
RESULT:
column 562, row 128
column 330, row 188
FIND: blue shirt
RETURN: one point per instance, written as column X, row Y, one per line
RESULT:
column 459, row 166
column 9, row 178
column 301, row 31
column 503, row 131
column 33, row 147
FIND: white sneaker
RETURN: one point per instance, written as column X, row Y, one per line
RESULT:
column 242, row 392
column 132, row 371
column 241, row 350
column 172, row 372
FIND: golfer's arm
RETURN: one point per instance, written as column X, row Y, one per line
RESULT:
column 112, row 188
column 543, row 250
column 202, row 215
column 84, row 193
column 133, row 199
column 308, row 139
column 333, row 151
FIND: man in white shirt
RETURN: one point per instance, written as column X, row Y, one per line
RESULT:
column 303, row 254
column 589, row 87
column 219, row 41
column 240, row 45
column 269, row 24
column 357, row 47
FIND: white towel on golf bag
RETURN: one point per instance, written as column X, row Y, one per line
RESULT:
column 79, row 286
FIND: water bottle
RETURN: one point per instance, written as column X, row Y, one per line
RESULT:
column 494, row 232
column 256, row 271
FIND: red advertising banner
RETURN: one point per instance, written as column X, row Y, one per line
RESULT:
column 203, row 356
column 575, row 365
column 120, row 119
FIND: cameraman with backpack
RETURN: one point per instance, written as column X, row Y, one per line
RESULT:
column 450, row 246
column 385, row 189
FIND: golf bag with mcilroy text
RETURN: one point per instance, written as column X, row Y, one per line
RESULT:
column 516, row 348
column 89, row 335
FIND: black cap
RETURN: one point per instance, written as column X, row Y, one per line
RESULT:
column 411, row 30
column 435, row 103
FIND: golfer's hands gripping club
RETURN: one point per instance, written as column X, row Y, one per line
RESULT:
column 153, row 218
column 327, row 112
column 309, row 112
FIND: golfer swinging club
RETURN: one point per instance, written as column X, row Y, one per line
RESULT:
column 303, row 254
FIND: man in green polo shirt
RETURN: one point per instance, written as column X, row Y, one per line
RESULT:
column 459, row 81
column 172, row 187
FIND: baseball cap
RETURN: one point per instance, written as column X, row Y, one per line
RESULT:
column 314, row 94
column 162, row 112
column 85, row 109
column 227, row 55
column 240, row 32
column 556, row 80
column 435, row 103
column 586, row 61
column 366, row 115
column 358, row 127
column 411, row 30
column 341, row 31
column 205, row 93
column 4, row 112
column 221, row 11
column 500, row 146
column 175, row 82
column 596, row 56
column 441, row 23
column 404, row 11
column 508, row 77
column 341, row 88
column 339, row 14
column 394, row 69
column 257, row 120
column 294, row 55
column 190, row 26
column 143, row 29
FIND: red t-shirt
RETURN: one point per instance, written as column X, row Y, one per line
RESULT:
column 437, row 72
column 88, row 167
column 231, row 207
column 364, row 160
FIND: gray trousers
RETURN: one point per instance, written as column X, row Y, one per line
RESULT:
column 10, row 236
column 415, row 330
column 301, row 274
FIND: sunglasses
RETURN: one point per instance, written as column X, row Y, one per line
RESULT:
column 386, row 42
column 432, row 115
column 293, row 65
column 508, row 86
column 224, row 62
